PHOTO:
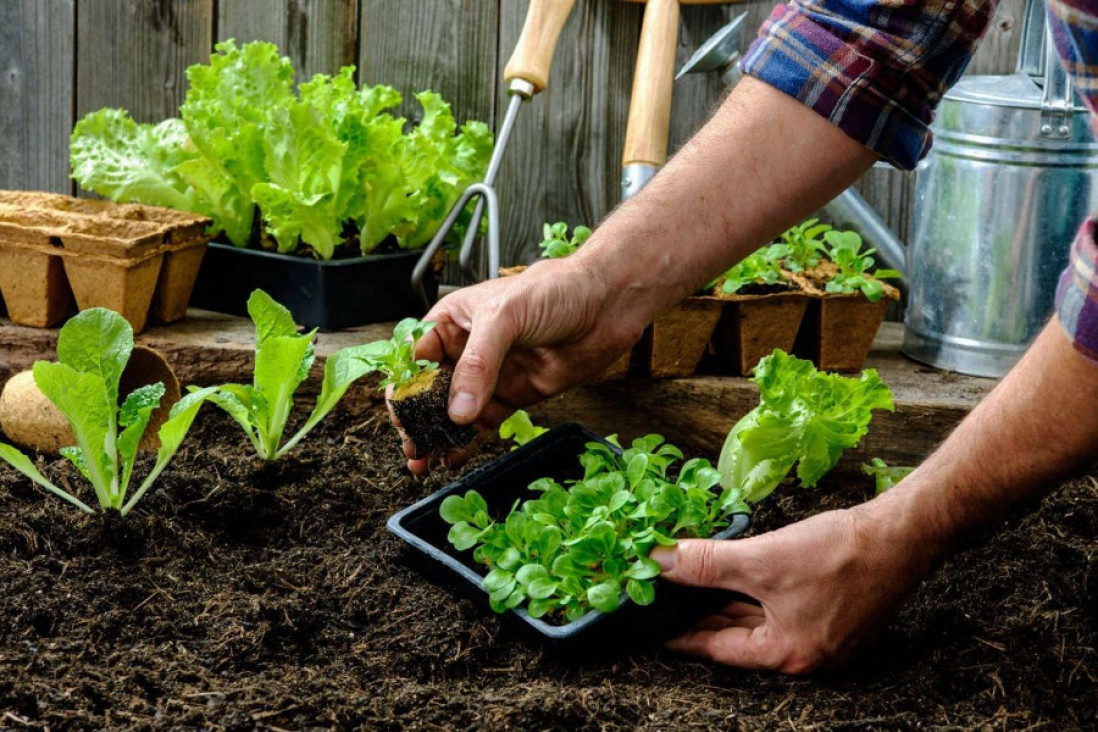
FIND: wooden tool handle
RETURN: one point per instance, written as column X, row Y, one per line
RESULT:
column 650, row 105
column 534, row 53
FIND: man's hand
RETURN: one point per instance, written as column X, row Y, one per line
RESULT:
column 518, row 340
column 817, row 589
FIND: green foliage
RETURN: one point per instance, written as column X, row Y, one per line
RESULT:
column 395, row 358
column 885, row 476
column 283, row 358
column 92, row 350
column 519, row 427
column 805, row 247
column 319, row 163
column 845, row 250
column 580, row 546
column 805, row 418
column 762, row 267
column 556, row 243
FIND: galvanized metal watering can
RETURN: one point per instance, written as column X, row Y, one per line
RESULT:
column 1012, row 174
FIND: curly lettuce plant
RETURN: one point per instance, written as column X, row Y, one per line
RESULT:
column 283, row 358
column 92, row 351
column 885, row 476
column 853, row 263
column 584, row 545
column 322, row 165
column 805, row 418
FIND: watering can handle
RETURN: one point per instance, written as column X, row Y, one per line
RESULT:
column 533, row 54
column 1058, row 98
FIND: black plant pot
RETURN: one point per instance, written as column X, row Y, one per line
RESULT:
column 330, row 295
column 554, row 454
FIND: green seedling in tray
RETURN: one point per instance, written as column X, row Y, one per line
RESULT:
column 557, row 244
column 845, row 250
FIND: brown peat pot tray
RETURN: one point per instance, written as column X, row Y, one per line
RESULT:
column 752, row 326
column 134, row 259
column 839, row 329
column 678, row 339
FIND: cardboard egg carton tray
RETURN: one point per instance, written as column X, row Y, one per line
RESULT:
column 140, row 261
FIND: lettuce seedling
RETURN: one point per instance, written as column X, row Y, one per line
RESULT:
column 761, row 267
column 92, row 351
column 884, row 475
column 845, row 250
column 557, row 244
column 395, row 357
column 804, row 418
column 585, row 545
column 805, row 245
column 421, row 392
column 283, row 358
column 520, row 428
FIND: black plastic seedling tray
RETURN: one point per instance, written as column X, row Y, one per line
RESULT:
column 554, row 454
column 333, row 294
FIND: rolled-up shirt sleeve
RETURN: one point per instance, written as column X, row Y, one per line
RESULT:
column 877, row 70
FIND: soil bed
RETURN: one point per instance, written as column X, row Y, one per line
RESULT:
column 244, row 596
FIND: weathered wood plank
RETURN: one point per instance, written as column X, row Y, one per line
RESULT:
column 564, row 161
column 319, row 36
column 133, row 54
column 36, row 93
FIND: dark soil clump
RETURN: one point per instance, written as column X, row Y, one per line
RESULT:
column 240, row 595
column 421, row 408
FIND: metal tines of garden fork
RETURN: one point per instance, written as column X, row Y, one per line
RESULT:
column 526, row 73
column 520, row 91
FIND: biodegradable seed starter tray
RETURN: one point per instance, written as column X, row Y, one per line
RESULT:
column 137, row 260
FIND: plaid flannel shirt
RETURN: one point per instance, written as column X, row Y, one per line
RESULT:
column 877, row 70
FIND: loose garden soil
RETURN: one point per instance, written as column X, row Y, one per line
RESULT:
column 240, row 595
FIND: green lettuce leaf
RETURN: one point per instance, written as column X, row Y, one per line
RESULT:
column 804, row 418
column 116, row 157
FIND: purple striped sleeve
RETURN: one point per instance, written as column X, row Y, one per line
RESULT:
column 1077, row 295
column 877, row 70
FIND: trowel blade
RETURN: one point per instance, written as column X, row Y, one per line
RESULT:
column 717, row 50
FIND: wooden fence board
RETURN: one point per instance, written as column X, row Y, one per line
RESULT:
column 319, row 36
column 133, row 53
column 36, row 93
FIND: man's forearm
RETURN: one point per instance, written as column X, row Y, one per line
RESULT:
column 762, row 163
column 1037, row 427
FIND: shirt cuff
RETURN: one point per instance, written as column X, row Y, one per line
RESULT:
column 1077, row 295
column 877, row 71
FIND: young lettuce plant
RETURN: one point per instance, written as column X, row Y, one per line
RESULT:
column 420, row 391
column 283, row 358
column 519, row 428
column 845, row 250
column 805, row 245
column 761, row 267
column 92, row 351
column 556, row 244
column 885, row 475
column 804, row 418
column 582, row 546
